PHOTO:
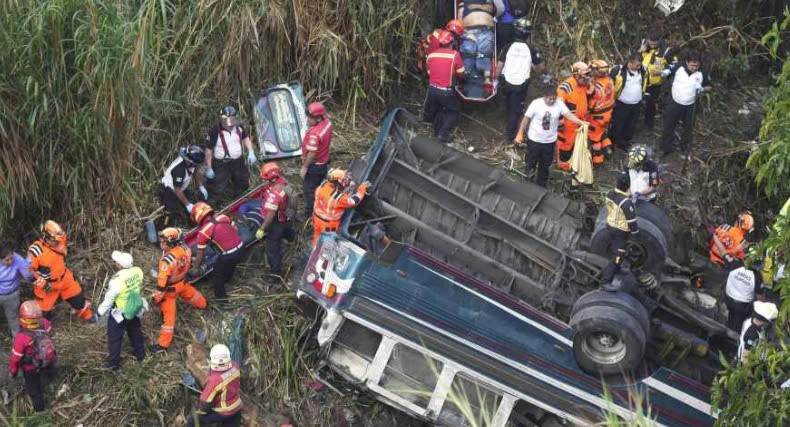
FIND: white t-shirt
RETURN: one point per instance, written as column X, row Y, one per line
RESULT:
column 740, row 285
column 632, row 88
column 544, row 119
column 518, row 63
column 684, row 88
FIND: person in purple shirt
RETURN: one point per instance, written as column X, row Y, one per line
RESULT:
column 13, row 268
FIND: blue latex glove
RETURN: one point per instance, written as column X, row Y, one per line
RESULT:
column 637, row 195
column 209, row 173
column 189, row 208
column 204, row 192
column 545, row 78
column 252, row 158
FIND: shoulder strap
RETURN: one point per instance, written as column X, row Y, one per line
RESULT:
column 222, row 140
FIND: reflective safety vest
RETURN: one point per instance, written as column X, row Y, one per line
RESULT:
column 130, row 281
column 574, row 96
column 223, row 391
column 602, row 99
column 655, row 60
column 620, row 211
column 46, row 262
column 331, row 201
column 173, row 267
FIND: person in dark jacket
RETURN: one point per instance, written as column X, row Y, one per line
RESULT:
column 629, row 88
column 620, row 223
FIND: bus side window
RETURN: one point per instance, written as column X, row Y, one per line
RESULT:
column 411, row 375
column 469, row 403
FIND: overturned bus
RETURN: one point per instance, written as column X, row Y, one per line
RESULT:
column 481, row 306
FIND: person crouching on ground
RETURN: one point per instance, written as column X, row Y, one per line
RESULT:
column 220, row 402
column 33, row 352
column 218, row 231
column 126, row 306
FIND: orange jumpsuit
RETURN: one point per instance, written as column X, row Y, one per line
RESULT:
column 330, row 203
column 732, row 238
column 574, row 95
column 171, row 283
column 601, row 103
column 48, row 265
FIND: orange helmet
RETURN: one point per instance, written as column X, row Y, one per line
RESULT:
column 270, row 171
column 52, row 230
column 445, row 37
column 745, row 221
column 30, row 315
column 338, row 175
column 200, row 210
column 171, row 235
column 456, row 27
column 580, row 68
column 599, row 65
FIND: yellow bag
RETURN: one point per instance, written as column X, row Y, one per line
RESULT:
column 581, row 159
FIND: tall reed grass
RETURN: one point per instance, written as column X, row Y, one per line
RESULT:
column 96, row 96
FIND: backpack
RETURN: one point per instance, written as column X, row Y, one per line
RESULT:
column 43, row 349
column 290, row 208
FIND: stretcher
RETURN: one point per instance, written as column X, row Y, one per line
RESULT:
column 477, row 88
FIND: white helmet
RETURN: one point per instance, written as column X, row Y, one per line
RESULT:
column 219, row 358
column 766, row 310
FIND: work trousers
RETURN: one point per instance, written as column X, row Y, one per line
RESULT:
column 442, row 107
column 515, row 96
column 737, row 313
column 652, row 98
column 319, row 226
column 624, row 123
column 673, row 114
column 274, row 253
column 34, row 386
column 539, row 155
column 189, row 295
column 115, row 332
column 315, row 175
column 214, row 418
column 599, row 136
column 68, row 290
column 10, row 305
column 233, row 171
column 223, row 270
column 617, row 253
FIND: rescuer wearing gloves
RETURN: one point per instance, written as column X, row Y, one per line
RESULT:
column 220, row 401
column 173, row 187
column 275, row 221
column 220, row 232
column 643, row 173
column 54, row 280
column 225, row 144
column 620, row 222
column 171, row 284
column 332, row 200
column 125, row 305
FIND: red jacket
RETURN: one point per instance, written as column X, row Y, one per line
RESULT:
column 276, row 200
column 22, row 351
column 223, row 391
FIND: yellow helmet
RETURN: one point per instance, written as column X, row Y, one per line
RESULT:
column 338, row 175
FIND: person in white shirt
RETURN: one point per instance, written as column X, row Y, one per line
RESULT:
column 542, row 118
column 629, row 86
column 125, row 305
column 689, row 83
column 225, row 144
column 743, row 284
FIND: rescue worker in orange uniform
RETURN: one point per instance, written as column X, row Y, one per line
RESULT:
column 53, row 279
column 601, row 104
column 573, row 92
column 171, row 284
column 430, row 43
column 729, row 242
column 332, row 200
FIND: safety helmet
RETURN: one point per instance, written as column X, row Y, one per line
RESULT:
column 316, row 109
column 52, row 230
column 30, row 315
column 193, row 154
column 338, row 175
column 766, row 310
column 456, row 27
column 523, row 27
column 270, row 170
column 579, row 68
column 228, row 117
column 637, row 155
column 745, row 221
column 599, row 65
column 200, row 210
column 171, row 235
column 219, row 358
column 445, row 38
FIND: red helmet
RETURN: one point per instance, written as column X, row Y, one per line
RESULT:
column 200, row 210
column 445, row 37
column 30, row 315
column 316, row 109
column 270, row 171
column 456, row 27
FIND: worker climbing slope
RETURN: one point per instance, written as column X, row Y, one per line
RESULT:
column 171, row 284
column 331, row 201
column 573, row 93
column 54, row 281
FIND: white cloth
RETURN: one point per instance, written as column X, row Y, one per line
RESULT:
column 740, row 285
column 685, row 86
column 632, row 88
column 518, row 64
column 544, row 120
column 780, row 273
column 113, row 289
column 232, row 140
